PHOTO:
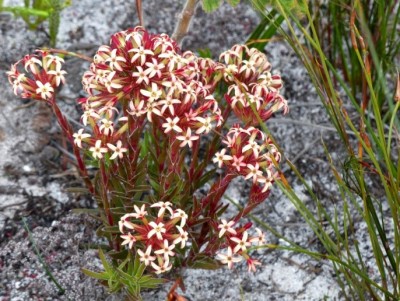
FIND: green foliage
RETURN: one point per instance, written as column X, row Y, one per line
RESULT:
column 296, row 7
column 36, row 12
column 352, row 51
column 211, row 5
column 205, row 53
column 205, row 263
column 265, row 30
column 41, row 260
column 54, row 20
column 128, row 276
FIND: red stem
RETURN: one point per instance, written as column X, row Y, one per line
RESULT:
column 67, row 129
column 213, row 198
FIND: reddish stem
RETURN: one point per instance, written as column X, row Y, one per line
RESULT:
column 213, row 198
column 67, row 129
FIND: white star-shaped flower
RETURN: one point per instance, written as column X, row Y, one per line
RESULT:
column 253, row 172
column 182, row 238
column 166, row 250
column 117, row 149
column 242, row 243
column 78, row 137
column 165, row 267
column 259, row 239
column 220, row 157
column 187, row 138
column 139, row 212
column 154, row 68
column 145, row 256
column 97, row 150
column 163, row 206
column 129, row 240
column 205, row 123
column 141, row 53
column 226, row 227
column 228, row 258
column 171, row 124
column 59, row 75
column 45, row 90
column 157, row 229
column 182, row 215
column 114, row 60
column 107, row 127
column 141, row 75
column 153, row 94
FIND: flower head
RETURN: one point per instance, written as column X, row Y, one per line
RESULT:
column 129, row 240
column 187, row 139
column 220, row 157
column 241, row 243
column 166, row 250
column 79, row 136
column 163, row 206
column 45, row 90
column 97, row 150
column 145, row 256
column 226, row 227
column 229, row 258
column 117, row 149
column 157, row 229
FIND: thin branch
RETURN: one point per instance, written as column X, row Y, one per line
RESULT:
column 13, row 205
column 185, row 17
column 70, row 53
column 139, row 12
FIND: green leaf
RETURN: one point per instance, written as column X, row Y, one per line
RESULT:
column 265, row 30
column 134, row 264
column 54, row 20
column 233, row 2
column 150, row 282
column 205, row 263
column 101, row 276
column 211, row 5
column 104, row 261
column 205, row 53
column 111, row 229
column 137, row 269
column 22, row 11
column 85, row 211
column 118, row 254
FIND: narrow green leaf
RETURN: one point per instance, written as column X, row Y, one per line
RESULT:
column 85, row 211
column 205, row 53
column 205, row 263
column 101, row 276
column 104, row 261
column 211, row 5
column 233, row 2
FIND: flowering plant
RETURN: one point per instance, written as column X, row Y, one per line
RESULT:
column 153, row 125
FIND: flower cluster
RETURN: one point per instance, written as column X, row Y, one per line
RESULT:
column 251, row 154
column 45, row 76
column 146, row 77
column 142, row 88
column 237, row 242
column 155, row 238
column 252, row 86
